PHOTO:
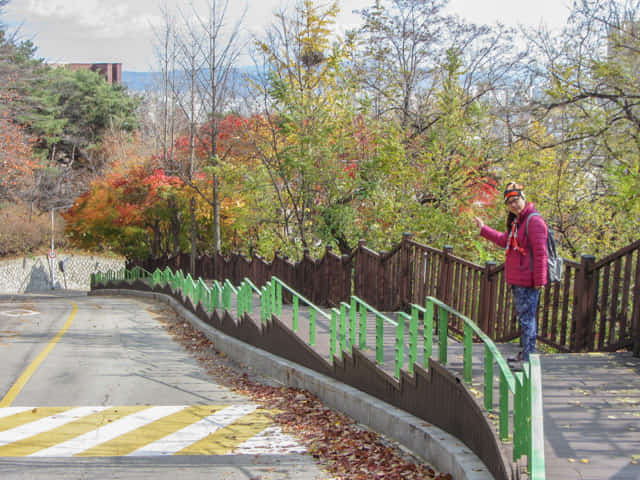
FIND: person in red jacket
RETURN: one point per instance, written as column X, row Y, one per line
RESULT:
column 525, row 263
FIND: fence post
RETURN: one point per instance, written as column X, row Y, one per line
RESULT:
column 484, row 309
column 379, row 298
column 444, row 276
column 358, row 276
column 327, row 277
column 345, row 278
column 635, row 315
column 584, row 301
column 233, row 258
column 306, row 270
column 405, row 272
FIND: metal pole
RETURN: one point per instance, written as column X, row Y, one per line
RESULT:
column 52, row 225
column 51, row 259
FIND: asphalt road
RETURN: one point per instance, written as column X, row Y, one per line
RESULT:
column 94, row 387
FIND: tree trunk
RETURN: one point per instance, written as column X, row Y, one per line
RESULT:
column 194, row 231
column 216, row 215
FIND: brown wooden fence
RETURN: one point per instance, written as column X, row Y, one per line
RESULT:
column 596, row 306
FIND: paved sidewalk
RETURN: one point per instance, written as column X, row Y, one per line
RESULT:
column 592, row 416
column 591, row 403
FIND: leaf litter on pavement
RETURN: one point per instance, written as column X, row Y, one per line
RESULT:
column 346, row 449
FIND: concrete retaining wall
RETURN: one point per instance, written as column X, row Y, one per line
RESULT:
column 69, row 272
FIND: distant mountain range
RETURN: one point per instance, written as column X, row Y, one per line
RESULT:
column 142, row 81
column 138, row 81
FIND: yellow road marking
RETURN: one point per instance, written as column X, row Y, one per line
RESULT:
column 19, row 419
column 66, row 432
column 26, row 375
column 222, row 441
column 135, row 430
column 132, row 441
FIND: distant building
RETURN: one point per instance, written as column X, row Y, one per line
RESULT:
column 112, row 72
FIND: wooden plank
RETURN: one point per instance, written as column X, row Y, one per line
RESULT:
column 590, row 332
column 604, row 298
column 635, row 316
column 498, row 331
column 542, row 314
column 423, row 276
column 555, row 310
column 453, row 286
column 626, row 290
column 564, row 318
column 468, row 288
column 475, row 295
column 460, row 292
column 418, row 292
column 613, row 302
column 436, row 261
column 623, row 251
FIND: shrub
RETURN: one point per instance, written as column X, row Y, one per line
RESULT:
column 23, row 231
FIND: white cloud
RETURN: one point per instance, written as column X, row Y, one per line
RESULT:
column 552, row 13
column 121, row 30
column 104, row 19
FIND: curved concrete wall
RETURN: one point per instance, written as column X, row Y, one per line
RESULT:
column 69, row 272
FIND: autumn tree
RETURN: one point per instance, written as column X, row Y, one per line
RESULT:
column 127, row 212
column 221, row 49
column 403, row 45
column 587, row 103
column 17, row 162
column 198, row 55
column 402, row 42
column 19, row 167
column 161, row 115
column 236, row 170
column 305, row 132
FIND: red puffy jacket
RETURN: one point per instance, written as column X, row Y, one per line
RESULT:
column 517, row 265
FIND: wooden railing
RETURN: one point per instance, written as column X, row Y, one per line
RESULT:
column 595, row 307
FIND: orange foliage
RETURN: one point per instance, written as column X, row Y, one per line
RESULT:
column 120, row 199
column 17, row 161
column 230, row 141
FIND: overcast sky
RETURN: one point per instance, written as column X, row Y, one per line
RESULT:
column 120, row 31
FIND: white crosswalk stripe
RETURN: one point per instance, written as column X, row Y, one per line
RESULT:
column 8, row 411
column 188, row 435
column 140, row 431
column 107, row 432
column 45, row 424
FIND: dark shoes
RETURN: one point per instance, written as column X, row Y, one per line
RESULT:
column 516, row 362
column 518, row 358
column 516, row 366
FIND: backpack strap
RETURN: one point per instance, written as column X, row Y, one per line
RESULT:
column 526, row 231
column 532, row 214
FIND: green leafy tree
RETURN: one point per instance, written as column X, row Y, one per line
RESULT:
column 591, row 112
column 71, row 110
column 304, row 136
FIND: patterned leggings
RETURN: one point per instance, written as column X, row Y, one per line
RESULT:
column 526, row 303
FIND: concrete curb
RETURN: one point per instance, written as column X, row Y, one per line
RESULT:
column 430, row 443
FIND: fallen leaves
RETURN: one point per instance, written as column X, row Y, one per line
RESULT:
column 349, row 451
